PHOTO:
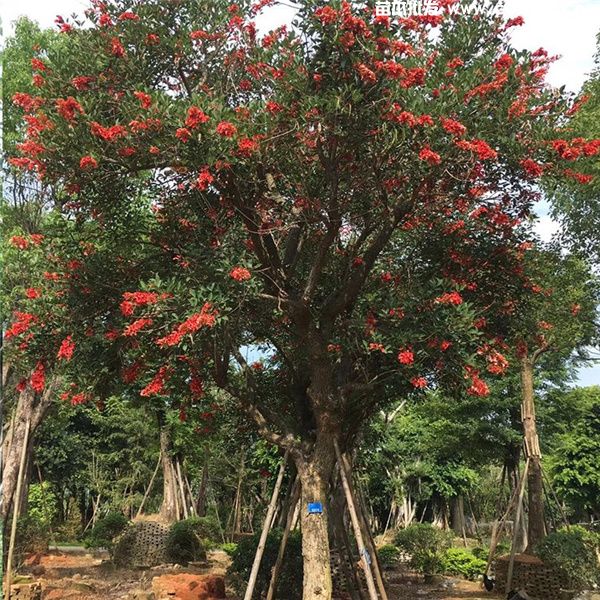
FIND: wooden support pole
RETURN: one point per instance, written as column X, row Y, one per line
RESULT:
column 265, row 531
column 179, row 478
column 362, row 549
column 366, row 530
column 295, row 497
column 16, row 508
column 513, row 549
column 149, row 488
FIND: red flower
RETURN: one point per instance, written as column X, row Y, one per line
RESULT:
column 88, row 163
column 454, row 127
column 116, row 48
column 81, row 82
column 453, row 298
column 156, row 386
column 374, row 346
column 246, row 146
column 183, row 134
column 38, row 377
column 32, row 293
column 66, row 349
column 240, row 274
column 204, row 180
column 326, row 15
column 273, row 107
column 195, row 117
column 205, row 318
column 366, row 74
column 78, row 399
column 152, row 39
column 145, row 99
column 406, row 357
column 135, row 327
column 419, row 382
column 516, row 22
column 481, row 148
column 108, row 134
column 428, row 155
column 478, row 387
column 575, row 309
column 67, row 107
column 532, row 168
column 444, row 345
column 21, row 386
column 504, row 62
column 19, row 242
column 226, row 129
column 128, row 16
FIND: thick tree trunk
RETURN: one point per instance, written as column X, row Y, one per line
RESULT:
column 314, row 477
column 459, row 523
column 30, row 407
column 536, row 520
column 169, row 510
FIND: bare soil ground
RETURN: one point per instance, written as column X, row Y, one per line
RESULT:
column 83, row 576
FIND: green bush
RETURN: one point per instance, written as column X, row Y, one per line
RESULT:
column 42, row 505
column 573, row 553
column 184, row 544
column 388, row 556
column 290, row 579
column 32, row 536
column 426, row 545
column 105, row 531
column 229, row 548
column 460, row 561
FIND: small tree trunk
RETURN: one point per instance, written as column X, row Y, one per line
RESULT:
column 201, row 500
column 315, row 540
column 168, row 510
column 537, row 524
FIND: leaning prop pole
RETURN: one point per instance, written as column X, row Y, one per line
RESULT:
column 513, row 549
column 265, row 531
column 16, row 508
column 147, row 492
column 362, row 549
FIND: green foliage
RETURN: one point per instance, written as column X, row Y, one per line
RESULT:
column 105, row 531
column 574, row 553
column 291, row 575
column 32, row 536
column 229, row 548
column 388, row 556
column 42, row 505
column 184, row 543
column 460, row 561
column 427, row 546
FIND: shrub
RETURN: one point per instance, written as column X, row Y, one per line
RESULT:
column 42, row 505
column 229, row 548
column 32, row 536
column 460, row 561
column 184, row 544
column 573, row 553
column 426, row 545
column 105, row 531
column 388, row 556
column 290, row 579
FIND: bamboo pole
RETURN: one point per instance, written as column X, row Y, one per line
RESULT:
column 513, row 549
column 365, row 527
column 295, row 497
column 265, row 531
column 149, row 488
column 179, row 478
column 16, row 507
column 362, row 549
column 188, row 487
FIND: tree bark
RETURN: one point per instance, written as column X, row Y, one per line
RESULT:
column 30, row 407
column 536, row 530
column 314, row 478
column 168, row 510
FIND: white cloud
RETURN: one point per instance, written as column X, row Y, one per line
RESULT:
column 545, row 228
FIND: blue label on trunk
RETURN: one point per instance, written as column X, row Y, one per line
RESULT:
column 315, row 508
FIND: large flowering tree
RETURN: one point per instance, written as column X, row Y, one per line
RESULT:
column 344, row 199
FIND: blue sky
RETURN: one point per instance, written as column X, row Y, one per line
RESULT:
column 567, row 28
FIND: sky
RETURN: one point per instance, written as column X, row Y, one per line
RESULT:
column 567, row 28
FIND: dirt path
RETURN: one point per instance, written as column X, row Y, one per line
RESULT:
column 81, row 576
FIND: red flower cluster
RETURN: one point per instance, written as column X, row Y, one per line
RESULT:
column 108, row 134
column 67, row 107
column 240, row 274
column 366, row 74
column 497, row 363
column 32, row 293
column 532, row 168
column 21, row 325
column 195, row 117
column 428, row 155
column 66, row 349
column 157, row 385
column 26, row 102
column 204, row 180
column 406, row 357
column 452, row 298
column 205, row 318
column 145, row 99
column 88, row 162
column 454, row 127
column 38, row 377
column 419, row 382
column 133, row 299
column 326, row 15
column 81, row 82
column 247, row 146
column 135, row 327
column 226, row 129
column 18, row 241
column 116, row 48
column 573, row 149
column 183, row 134
column 481, row 148
column 478, row 387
